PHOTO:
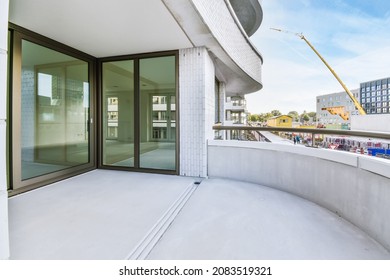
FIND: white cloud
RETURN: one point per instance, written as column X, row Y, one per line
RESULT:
column 354, row 43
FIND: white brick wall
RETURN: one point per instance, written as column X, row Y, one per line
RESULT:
column 218, row 18
column 4, row 243
column 197, row 109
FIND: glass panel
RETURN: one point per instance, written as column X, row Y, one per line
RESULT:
column 118, row 113
column 54, row 111
column 158, row 113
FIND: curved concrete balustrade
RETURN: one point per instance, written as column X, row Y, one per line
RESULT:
column 356, row 187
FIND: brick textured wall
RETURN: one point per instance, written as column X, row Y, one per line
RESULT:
column 218, row 18
column 197, row 109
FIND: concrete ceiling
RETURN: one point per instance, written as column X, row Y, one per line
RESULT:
column 102, row 28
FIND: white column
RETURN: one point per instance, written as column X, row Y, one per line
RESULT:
column 197, row 109
column 4, row 235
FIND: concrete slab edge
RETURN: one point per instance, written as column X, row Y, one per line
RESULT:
column 149, row 241
column 375, row 165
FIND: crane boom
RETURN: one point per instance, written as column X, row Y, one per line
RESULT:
column 354, row 100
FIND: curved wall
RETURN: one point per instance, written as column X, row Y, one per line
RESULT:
column 215, row 26
column 249, row 13
column 356, row 187
column 230, row 36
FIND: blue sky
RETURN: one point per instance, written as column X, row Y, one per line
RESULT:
column 352, row 36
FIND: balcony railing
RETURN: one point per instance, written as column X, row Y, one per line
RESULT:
column 372, row 143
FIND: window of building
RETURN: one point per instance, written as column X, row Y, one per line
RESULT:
column 379, row 110
column 159, row 100
column 385, row 110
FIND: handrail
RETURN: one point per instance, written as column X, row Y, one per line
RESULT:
column 315, row 131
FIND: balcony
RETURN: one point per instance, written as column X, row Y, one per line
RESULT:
column 235, row 106
column 261, row 201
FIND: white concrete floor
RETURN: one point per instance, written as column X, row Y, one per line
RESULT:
column 105, row 214
column 226, row 219
column 98, row 215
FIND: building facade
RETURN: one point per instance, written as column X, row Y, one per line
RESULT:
column 375, row 96
column 236, row 113
column 280, row 121
column 339, row 101
column 103, row 86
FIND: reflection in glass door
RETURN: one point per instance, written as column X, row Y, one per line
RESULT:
column 164, row 118
column 158, row 113
column 52, row 135
column 118, row 113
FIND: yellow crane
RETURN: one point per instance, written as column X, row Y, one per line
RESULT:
column 330, row 109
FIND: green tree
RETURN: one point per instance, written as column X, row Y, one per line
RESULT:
column 313, row 115
column 276, row 113
column 294, row 115
column 254, row 118
column 262, row 117
column 306, row 117
column 267, row 116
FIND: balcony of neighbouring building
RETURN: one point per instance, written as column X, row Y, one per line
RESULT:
column 260, row 201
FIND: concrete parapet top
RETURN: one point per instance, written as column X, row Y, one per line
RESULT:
column 376, row 165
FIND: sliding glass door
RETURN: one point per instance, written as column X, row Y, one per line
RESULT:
column 139, row 113
column 51, row 114
column 52, row 99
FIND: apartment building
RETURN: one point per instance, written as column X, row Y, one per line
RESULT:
column 235, row 114
column 375, row 96
column 340, row 104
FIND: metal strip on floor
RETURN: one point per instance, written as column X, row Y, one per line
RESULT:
column 146, row 245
